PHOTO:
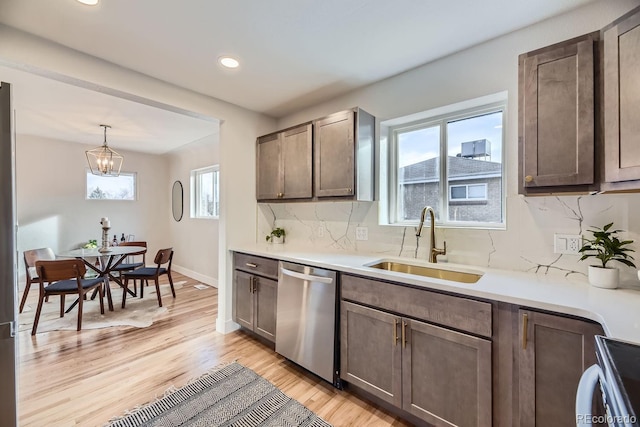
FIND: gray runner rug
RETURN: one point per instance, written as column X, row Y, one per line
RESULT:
column 231, row 396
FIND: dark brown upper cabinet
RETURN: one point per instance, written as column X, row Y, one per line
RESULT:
column 331, row 158
column 284, row 164
column 556, row 118
column 344, row 155
column 621, row 78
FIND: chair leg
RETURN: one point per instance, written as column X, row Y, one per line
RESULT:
column 38, row 310
column 80, row 304
column 24, row 296
column 124, row 291
column 142, row 282
column 61, row 305
column 158, row 293
column 173, row 291
column 101, row 299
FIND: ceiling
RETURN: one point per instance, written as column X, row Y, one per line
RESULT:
column 293, row 53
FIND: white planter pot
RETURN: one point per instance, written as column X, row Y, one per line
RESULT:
column 607, row 278
column 277, row 240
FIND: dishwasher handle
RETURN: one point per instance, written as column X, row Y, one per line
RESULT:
column 308, row 277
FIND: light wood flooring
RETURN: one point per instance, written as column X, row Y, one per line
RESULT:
column 84, row 378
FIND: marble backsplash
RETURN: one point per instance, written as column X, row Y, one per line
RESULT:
column 525, row 245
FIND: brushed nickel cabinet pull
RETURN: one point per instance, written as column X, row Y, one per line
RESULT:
column 404, row 336
column 252, row 265
column 525, row 328
column 395, row 331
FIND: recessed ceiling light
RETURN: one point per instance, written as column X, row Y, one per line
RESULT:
column 89, row 2
column 228, row 62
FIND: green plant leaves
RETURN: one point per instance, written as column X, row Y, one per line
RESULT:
column 605, row 246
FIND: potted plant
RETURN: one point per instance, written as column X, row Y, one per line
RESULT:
column 606, row 247
column 276, row 235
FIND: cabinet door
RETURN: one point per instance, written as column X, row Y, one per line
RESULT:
column 557, row 121
column 243, row 299
column 296, row 162
column 554, row 352
column 266, row 293
column 334, row 155
column 269, row 173
column 446, row 375
column 622, row 100
column 371, row 351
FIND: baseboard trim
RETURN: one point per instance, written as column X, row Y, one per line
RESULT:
column 225, row 327
column 207, row 280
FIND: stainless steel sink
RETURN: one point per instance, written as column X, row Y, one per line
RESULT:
column 438, row 273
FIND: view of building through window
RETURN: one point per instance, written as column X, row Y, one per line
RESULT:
column 205, row 200
column 472, row 170
column 122, row 187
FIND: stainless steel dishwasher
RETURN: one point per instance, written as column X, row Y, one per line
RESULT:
column 306, row 318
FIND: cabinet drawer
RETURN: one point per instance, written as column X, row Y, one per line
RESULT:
column 456, row 312
column 257, row 265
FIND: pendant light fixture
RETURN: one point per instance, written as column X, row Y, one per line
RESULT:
column 103, row 160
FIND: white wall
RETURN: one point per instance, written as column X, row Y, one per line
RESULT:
column 238, row 132
column 492, row 67
column 195, row 240
column 52, row 208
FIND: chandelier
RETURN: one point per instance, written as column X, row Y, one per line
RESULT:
column 103, row 160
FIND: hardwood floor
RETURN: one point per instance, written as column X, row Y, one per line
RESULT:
column 83, row 378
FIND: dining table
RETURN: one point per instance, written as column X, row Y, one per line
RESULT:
column 107, row 262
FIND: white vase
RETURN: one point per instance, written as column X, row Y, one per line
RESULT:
column 607, row 277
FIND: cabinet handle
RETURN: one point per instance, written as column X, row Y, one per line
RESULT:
column 404, row 337
column 528, row 178
column 252, row 265
column 525, row 328
column 280, row 195
column 251, row 284
column 395, row 331
column 350, row 190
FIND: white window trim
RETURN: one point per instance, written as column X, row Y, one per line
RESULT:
column 467, row 198
column 194, row 191
column 388, row 214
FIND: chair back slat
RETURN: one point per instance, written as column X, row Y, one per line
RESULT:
column 143, row 253
column 163, row 256
column 60, row 269
column 32, row 255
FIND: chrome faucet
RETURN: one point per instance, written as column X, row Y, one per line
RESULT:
column 433, row 251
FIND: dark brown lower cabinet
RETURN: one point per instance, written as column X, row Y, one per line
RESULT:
column 254, row 303
column 437, row 374
column 553, row 353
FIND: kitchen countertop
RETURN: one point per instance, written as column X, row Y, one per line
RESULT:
column 617, row 310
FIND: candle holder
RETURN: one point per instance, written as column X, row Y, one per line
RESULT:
column 105, row 240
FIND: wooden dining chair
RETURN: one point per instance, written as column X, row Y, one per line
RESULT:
column 63, row 277
column 144, row 274
column 30, row 258
column 128, row 266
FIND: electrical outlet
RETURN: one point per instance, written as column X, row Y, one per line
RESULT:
column 567, row 243
column 321, row 231
column 362, row 233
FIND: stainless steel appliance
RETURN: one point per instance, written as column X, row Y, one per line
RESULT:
column 306, row 318
column 8, row 264
column 618, row 376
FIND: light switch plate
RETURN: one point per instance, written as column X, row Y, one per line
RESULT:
column 362, row 233
column 567, row 243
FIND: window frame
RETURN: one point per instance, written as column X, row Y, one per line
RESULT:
column 467, row 198
column 133, row 175
column 195, row 192
column 440, row 117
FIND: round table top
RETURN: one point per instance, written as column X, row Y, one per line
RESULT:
column 94, row 252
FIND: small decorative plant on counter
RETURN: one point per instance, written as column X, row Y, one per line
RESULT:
column 606, row 247
column 91, row 245
column 276, row 236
